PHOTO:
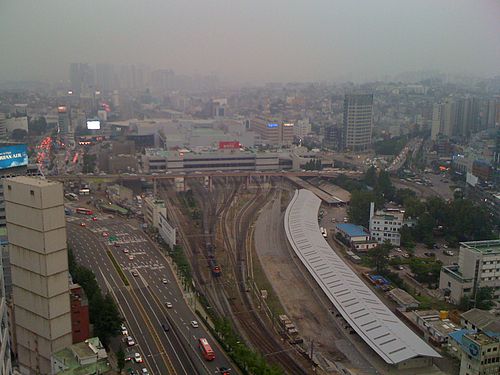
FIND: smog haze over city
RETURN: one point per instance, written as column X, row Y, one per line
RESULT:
column 252, row 41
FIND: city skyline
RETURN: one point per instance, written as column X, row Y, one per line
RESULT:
column 248, row 43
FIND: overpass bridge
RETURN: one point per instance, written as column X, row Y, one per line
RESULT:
column 208, row 176
column 200, row 174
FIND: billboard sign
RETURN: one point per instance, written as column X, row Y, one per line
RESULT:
column 13, row 156
column 272, row 126
column 93, row 124
column 229, row 145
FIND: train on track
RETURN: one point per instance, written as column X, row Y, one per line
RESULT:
column 212, row 261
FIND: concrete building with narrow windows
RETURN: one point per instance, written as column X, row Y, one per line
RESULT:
column 478, row 266
column 385, row 224
column 36, row 228
column 357, row 122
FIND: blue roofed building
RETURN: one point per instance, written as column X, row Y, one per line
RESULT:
column 355, row 236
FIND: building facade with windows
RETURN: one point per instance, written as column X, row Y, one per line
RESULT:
column 357, row 121
column 36, row 229
column 385, row 224
column 478, row 266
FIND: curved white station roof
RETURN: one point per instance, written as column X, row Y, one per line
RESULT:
column 359, row 306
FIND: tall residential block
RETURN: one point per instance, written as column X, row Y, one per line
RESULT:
column 357, row 122
column 36, row 231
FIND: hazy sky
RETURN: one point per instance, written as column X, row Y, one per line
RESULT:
column 252, row 40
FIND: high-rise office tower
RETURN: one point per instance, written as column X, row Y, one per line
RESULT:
column 358, row 121
column 81, row 76
column 36, row 230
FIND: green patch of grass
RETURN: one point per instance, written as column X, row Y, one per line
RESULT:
column 118, row 268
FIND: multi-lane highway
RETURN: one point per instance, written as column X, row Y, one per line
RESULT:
column 164, row 336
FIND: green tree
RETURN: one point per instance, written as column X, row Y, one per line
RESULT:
column 407, row 239
column 106, row 318
column 379, row 257
column 484, row 298
column 384, row 186
column 89, row 163
column 426, row 271
column 370, row 177
column 413, row 207
column 120, row 359
column 359, row 207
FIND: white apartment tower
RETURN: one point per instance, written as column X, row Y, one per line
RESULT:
column 36, row 230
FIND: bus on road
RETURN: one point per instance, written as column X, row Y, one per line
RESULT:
column 206, row 349
column 84, row 211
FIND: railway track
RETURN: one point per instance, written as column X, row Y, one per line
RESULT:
column 242, row 306
column 231, row 302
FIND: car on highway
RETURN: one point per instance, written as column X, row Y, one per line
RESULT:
column 83, row 224
column 130, row 341
column 125, row 251
column 168, row 304
column 124, row 330
column 138, row 358
column 194, row 323
column 144, row 371
column 164, row 281
column 135, row 273
column 165, row 327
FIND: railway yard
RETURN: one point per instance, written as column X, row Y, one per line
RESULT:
column 243, row 272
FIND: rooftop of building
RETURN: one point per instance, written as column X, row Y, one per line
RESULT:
column 458, row 335
column 485, row 247
column 32, row 181
column 483, row 320
column 353, row 230
column 68, row 356
column 482, row 339
column 392, row 340
column 403, row 296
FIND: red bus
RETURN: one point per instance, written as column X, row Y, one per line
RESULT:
column 206, row 349
column 84, row 211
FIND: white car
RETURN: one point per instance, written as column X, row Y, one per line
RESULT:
column 164, row 281
column 137, row 358
column 194, row 323
column 124, row 330
column 168, row 304
column 144, row 371
column 130, row 341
